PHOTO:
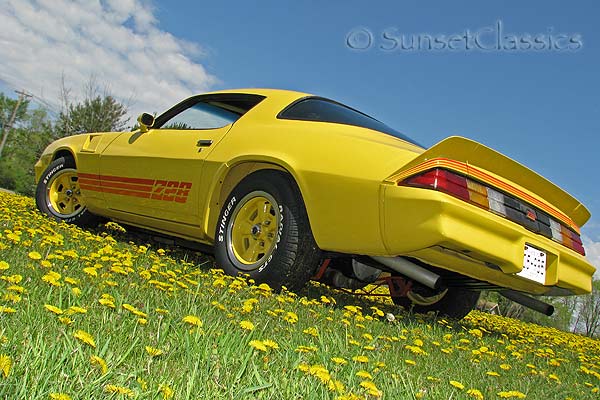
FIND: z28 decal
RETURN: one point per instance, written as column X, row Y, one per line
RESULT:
column 137, row 187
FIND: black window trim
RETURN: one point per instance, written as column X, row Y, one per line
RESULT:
column 191, row 101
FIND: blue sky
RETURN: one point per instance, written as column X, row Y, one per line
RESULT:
column 540, row 107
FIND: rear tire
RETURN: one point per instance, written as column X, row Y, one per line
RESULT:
column 263, row 231
column 58, row 194
column 456, row 303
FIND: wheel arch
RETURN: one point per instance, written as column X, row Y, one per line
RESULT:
column 231, row 175
column 65, row 152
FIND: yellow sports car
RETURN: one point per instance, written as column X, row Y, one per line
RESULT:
column 287, row 187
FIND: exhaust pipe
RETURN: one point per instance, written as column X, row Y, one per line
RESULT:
column 411, row 270
column 529, row 302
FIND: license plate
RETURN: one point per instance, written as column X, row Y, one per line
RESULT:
column 534, row 265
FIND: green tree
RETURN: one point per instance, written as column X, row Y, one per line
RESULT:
column 95, row 114
column 31, row 132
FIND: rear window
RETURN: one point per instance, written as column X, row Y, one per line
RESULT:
column 325, row 110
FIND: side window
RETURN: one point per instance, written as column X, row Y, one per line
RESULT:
column 201, row 115
column 324, row 110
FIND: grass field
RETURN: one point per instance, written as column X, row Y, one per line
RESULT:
column 91, row 315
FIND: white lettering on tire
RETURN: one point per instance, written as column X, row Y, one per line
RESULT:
column 279, row 233
column 223, row 222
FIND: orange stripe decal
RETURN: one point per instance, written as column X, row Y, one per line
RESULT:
column 163, row 190
column 469, row 170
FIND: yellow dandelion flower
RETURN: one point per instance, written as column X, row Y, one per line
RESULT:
column 291, row 317
column 339, row 361
column 7, row 310
column 115, row 389
column 76, row 291
column 84, row 337
column 65, row 320
column 457, row 385
column 59, row 396
column 34, row 255
column 410, row 362
column 53, row 309
column 554, row 377
column 99, row 363
column 16, row 288
column 192, row 320
column 270, row 344
column 247, row 325
column 371, row 388
column 361, row 359
column 364, row 374
column 311, row 331
column 3, row 265
column 143, row 384
column 492, row 373
column 335, row 386
column 476, row 394
column 162, row 311
column 142, row 321
column 107, row 302
column 512, row 393
column 91, row 271
column 5, row 364
column 505, row 367
column 166, row 391
column 76, row 310
column 258, row 345
column 305, row 349
column 154, row 352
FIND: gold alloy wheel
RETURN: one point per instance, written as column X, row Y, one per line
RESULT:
column 253, row 230
column 63, row 194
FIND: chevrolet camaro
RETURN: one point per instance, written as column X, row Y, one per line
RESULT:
column 286, row 187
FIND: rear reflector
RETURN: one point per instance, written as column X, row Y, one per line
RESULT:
column 497, row 202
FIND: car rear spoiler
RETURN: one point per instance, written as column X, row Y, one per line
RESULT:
column 475, row 154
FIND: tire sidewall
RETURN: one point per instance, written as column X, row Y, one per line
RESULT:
column 55, row 167
column 284, row 196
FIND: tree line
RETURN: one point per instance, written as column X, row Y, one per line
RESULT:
column 33, row 128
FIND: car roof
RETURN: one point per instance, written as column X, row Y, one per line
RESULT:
column 271, row 93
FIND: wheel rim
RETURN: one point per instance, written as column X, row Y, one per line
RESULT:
column 253, row 230
column 63, row 194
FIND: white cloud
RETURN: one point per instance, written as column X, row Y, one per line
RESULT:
column 118, row 42
column 592, row 251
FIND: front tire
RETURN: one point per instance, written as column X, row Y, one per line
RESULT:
column 263, row 231
column 58, row 194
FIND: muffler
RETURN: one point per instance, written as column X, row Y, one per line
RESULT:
column 529, row 302
column 411, row 270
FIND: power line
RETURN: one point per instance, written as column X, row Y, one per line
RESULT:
column 6, row 129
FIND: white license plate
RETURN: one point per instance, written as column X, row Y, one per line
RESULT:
column 534, row 265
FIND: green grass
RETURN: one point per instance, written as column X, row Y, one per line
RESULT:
column 411, row 356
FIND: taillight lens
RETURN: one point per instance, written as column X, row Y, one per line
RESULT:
column 497, row 202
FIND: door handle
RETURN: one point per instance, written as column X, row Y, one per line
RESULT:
column 203, row 143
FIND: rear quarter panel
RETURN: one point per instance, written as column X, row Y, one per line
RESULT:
column 338, row 168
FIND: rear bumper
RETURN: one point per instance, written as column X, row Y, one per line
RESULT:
column 449, row 233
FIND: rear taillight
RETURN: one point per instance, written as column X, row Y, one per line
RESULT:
column 497, row 202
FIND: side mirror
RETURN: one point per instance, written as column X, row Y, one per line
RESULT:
column 146, row 121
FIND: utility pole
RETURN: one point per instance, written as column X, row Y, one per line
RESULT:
column 6, row 128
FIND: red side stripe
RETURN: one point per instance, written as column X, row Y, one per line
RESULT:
column 140, row 188
column 116, row 191
column 140, row 181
